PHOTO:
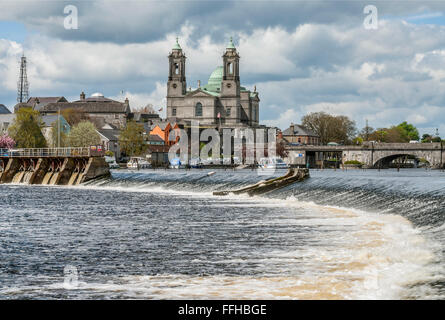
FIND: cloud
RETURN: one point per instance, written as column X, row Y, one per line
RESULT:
column 315, row 63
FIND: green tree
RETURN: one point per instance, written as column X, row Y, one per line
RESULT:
column 409, row 131
column 131, row 139
column 83, row 134
column 427, row 138
column 26, row 129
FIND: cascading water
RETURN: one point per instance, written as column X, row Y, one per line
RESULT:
column 162, row 234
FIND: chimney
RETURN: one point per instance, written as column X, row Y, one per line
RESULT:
column 127, row 102
column 292, row 128
column 82, row 95
column 199, row 83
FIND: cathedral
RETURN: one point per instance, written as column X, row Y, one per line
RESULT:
column 222, row 102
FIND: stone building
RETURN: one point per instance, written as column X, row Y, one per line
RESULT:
column 100, row 110
column 221, row 102
column 299, row 135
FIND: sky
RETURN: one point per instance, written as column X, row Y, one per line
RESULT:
column 302, row 56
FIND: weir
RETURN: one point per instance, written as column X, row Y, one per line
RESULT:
column 292, row 176
column 52, row 166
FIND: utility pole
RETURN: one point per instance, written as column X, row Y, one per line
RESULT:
column 367, row 130
column 58, row 128
column 22, row 84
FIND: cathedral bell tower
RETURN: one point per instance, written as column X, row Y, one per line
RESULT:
column 176, row 85
column 230, row 85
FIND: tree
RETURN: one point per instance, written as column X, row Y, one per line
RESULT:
column 74, row 116
column 366, row 132
column 131, row 139
column 83, row 134
column 389, row 135
column 6, row 142
column 26, row 129
column 330, row 128
column 409, row 131
column 427, row 138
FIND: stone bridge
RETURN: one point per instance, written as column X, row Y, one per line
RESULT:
column 372, row 155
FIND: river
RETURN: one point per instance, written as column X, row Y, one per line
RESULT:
column 356, row 234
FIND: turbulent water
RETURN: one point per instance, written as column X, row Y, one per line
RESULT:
column 163, row 235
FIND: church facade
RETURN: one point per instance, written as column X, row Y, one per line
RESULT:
column 222, row 102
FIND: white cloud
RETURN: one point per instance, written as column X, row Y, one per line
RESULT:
column 386, row 76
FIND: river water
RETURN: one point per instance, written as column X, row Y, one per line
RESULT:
column 162, row 235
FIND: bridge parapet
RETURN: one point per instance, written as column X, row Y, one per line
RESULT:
column 369, row 154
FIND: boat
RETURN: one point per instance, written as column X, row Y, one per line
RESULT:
column 176, row 163
column 264, row 186
column 195, row 163
column 272, row 163
column 138, row 163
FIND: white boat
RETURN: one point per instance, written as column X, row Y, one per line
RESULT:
column 272, row 163
column 138, row 163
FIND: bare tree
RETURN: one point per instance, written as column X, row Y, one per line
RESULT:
column 330, row 128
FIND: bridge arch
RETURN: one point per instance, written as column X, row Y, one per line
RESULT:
column 383, row 159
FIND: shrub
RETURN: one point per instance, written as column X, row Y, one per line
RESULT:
column 353, row 162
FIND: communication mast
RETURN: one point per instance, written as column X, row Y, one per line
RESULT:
column 22, row 84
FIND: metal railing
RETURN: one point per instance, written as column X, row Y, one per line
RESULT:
column 45, row 152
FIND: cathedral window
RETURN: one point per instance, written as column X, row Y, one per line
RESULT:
column 198, row 110
column 176, row 68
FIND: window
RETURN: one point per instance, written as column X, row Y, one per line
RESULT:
column 176, row 68
column 198, row 110
column 230, row 67
column 228, row 110
column 174, row 112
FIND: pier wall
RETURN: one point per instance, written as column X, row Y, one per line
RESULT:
column 51, row 166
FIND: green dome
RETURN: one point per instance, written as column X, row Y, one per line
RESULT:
column 214, row 83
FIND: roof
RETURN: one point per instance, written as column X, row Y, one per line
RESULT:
column 160, row 124
column 154, row 137
column 90, row 105
column 110, row 134
column 299, row 130
column 43, row 101
column 4, row 110
column 48, row 120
